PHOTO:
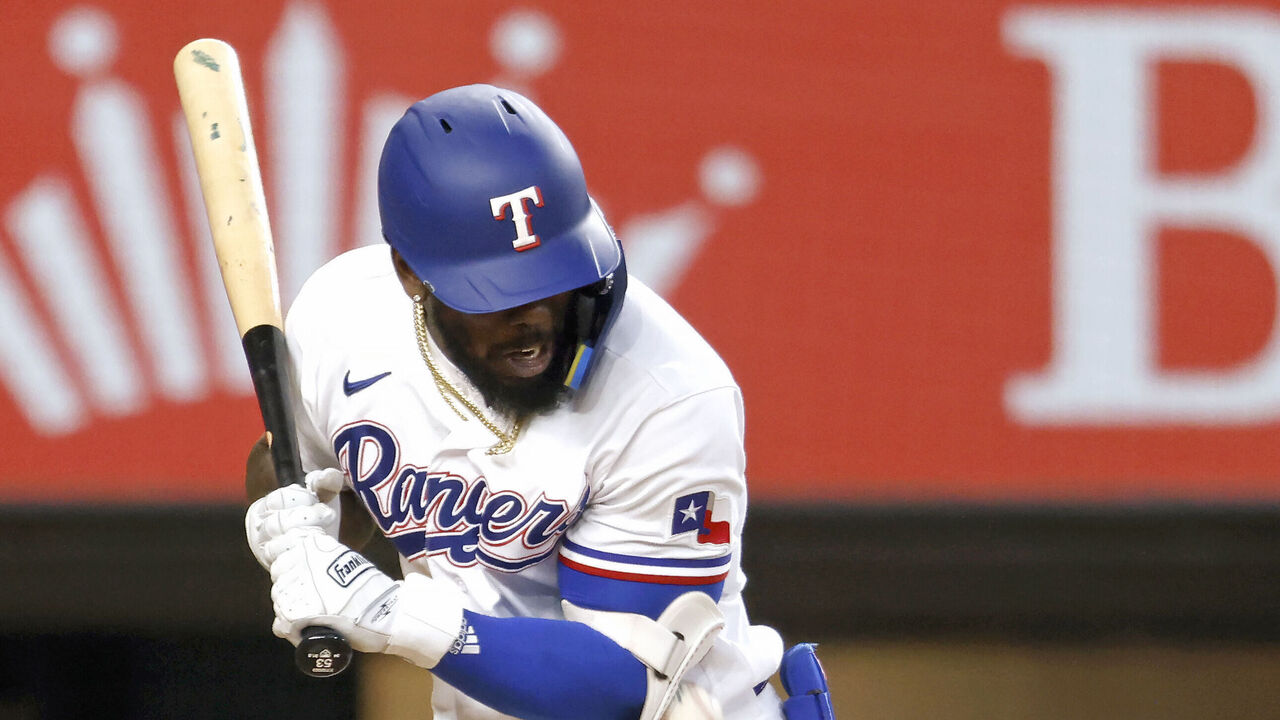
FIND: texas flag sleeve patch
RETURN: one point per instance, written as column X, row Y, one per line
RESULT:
column 693, row 512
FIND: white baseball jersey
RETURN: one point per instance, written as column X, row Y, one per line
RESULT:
column 640, row 477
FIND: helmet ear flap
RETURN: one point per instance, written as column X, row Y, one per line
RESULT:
column 595, row 308
column 588, row 320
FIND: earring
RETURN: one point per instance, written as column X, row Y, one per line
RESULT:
column 417, row 299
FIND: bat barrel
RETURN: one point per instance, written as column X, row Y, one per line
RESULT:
column 217, row 112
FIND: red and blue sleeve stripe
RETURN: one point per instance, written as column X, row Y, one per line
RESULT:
column 629, row 583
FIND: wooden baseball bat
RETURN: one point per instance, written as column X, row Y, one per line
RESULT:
column 213, row 100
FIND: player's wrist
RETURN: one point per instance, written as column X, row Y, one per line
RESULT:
column 371, row 626
column 427, row 622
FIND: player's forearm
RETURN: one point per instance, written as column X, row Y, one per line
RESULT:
column 356, row 528
column 545, row 670
column 533, row 668
column 259, row 474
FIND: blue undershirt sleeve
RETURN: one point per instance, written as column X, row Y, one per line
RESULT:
column 543, row 669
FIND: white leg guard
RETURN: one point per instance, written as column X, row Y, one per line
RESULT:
column 668, row 646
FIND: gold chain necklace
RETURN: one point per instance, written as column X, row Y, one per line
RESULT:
column 506, row 442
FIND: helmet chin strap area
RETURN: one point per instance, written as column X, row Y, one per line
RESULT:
column 582, row 360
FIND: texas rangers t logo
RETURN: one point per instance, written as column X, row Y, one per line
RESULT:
column 525, row 239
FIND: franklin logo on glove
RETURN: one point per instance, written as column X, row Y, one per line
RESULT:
column 347, row 567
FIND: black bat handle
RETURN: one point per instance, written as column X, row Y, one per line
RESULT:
column 322, row 652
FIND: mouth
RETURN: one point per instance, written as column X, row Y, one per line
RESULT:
column 529, row 359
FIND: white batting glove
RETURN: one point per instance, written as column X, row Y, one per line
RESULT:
column 317, row 580
column 294, row 506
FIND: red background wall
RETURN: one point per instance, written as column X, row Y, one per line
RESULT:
column 874, row 297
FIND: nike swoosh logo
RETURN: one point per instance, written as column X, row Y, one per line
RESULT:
column 351, row 388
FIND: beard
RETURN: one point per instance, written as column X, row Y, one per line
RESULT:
column 517, row 397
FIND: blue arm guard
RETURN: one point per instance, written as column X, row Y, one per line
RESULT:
column 545, row 670
column 806, row 684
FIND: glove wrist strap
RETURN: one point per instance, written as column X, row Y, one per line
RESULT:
column 427, row 622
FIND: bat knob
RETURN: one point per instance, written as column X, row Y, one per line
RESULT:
column 322, row 652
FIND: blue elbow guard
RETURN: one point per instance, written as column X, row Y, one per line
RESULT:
column 806, row 685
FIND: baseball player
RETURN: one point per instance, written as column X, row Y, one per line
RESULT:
column 556, row 454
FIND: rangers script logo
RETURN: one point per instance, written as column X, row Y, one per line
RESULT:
column 424, row 512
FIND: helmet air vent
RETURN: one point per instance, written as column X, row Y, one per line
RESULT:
column 507, row 106
column 445, row 124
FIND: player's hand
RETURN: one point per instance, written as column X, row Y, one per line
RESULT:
column 259, row 470
column 294, row 506
column 317, row 580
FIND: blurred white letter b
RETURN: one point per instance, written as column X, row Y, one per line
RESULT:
column 1108, row 203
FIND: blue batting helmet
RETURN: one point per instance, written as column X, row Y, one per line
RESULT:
column 485, row 199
